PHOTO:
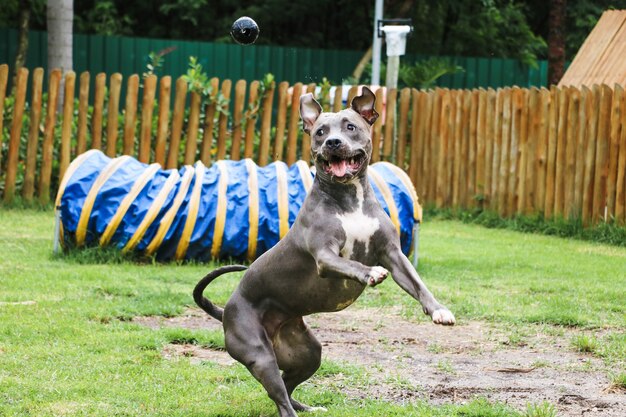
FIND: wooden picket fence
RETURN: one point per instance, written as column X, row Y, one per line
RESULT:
column 559, row 152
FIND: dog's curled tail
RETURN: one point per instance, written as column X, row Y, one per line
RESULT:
column 213, row 310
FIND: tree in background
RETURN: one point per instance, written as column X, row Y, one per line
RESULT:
column 60, row 19
column 556, row 41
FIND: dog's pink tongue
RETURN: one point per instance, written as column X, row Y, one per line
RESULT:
column 338, row 169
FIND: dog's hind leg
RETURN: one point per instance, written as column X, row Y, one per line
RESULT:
column 247, row 342
column 299, row 355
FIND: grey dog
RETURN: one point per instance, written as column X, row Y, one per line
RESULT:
column 341, row 242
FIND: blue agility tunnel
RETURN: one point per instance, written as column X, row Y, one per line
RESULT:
column 231, row 210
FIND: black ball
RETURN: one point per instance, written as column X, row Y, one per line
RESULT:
column 245, row 30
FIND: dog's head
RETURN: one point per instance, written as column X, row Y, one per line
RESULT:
column 341, row 143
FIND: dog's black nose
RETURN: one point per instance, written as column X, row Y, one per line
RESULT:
column 332, row 143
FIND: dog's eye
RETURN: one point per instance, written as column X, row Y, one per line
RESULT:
column 320, row 132
column 351, row 126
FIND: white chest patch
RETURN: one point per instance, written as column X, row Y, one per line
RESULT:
column 357, row 226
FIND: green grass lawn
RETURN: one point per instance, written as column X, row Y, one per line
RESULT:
column 67, row 346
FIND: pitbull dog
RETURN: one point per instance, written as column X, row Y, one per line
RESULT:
column 341, row 242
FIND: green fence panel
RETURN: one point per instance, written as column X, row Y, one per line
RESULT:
column 96, row 53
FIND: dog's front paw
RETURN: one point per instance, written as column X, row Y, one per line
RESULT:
column 376, row 275
column 443, row 316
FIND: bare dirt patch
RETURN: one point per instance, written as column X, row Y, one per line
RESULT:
column 406, row 361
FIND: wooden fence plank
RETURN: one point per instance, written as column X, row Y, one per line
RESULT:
column 620, row 197
column 470, row 196
column 490, row 126
column 403, row 124
column 354, row 90
column 592, row 109
column 388, row 138
column 602, row 156
column 455, row 148
column 281, row 121
column 48, row 137
column 415, row 140
column 16, row 131
column 115, row 84
column 251, row 118
column 222, row 136
column 426, row 106
column 337, row 100
column 83, row 112
column 442, row 182
column 177, row 123
column 240, row 97
column 515, row 147
column 209, row 124
column 130, row 114
column 553, row 122
column 28, row 189
column 191, row 144
column 378, row 125
column 561, row 161
column 266, row 124
column 541, row 154
column 294, row 127
column 434, row 145
column 147, row 111
column 497, row 146
column 504, row 152
column 4, row 77
column 581, row 147
column 481, row 135
column 530, row 139
column 68, row 120
column 98, row 106
column 614, row 142
column 570, row 210
column 165, row 88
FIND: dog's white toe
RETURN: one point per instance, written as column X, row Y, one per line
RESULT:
column 443, row 316
column 376, row 275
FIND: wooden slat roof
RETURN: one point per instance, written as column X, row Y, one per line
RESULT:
column 602, row 57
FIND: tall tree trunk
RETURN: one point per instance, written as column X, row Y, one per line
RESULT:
column 22, row 42
column 60, row 19
column 556, row 41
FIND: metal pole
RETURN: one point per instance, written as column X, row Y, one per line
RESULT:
column 57, row 230
column 416, row 243
column 376, row 44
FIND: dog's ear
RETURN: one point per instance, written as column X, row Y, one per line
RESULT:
column 310, row 110
column 364, row 105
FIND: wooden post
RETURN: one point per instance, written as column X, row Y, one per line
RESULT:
column 378, row 125
column 165, row 88
column 497, row 145
column 553, row 122
column 66, row 127
column 337, row 101
column 614, row 142
column 147, row 110
column 240, row 96
column 455, row 147
column 14, row 138
column 504, row 153
column 490, row 126
column 390, row 121
column 48, row 137
column 481, row 138
column 209, row 124
column 98, row 106
column 281, row 121
column 83, row 110
column 441, row 177
column 28, row 189
column 416, row 140
column 177, row 123
column 620, row 197
column 223, row 122
column 542, row 150
column 191, row 146
column 405, row 97
column 602, row 157
column 112, row 121
column 251, row 118
column 592, row 109
column 130, row 115
column 294, row 125
column 266, row 125
column 561, row 162
column 4, row 77
column 570, row 210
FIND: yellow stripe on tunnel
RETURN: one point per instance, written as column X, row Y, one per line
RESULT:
column 121, row 211
column 417, row 208
column 155, row 208
column 85, row 213
column 220, row 213
column 387, row 196
column 253, row 208
column 283, row 199
column 192, row 213
column 168, row 218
